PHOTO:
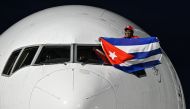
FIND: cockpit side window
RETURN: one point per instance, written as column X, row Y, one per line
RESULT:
column 90, row 54
column 54, row 55
column 10, row 62
column 26, row 57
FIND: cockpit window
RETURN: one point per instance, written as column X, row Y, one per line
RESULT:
column 54, row 55
column 89, row 54
column 10, row 62
column 26, row 57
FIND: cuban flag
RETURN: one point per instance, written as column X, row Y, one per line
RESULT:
column 132, row 54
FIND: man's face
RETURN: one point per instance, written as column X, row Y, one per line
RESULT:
column 128, row 33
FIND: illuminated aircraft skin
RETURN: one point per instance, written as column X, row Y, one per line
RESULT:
column 75, row 84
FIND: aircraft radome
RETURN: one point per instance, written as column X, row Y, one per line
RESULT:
column 41, row 67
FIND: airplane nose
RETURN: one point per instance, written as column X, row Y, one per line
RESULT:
column 73, row 89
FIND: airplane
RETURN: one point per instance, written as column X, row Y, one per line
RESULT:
column 42, row 67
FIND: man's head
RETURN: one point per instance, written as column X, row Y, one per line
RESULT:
column 129, row 31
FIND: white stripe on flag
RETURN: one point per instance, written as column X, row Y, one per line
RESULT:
column 140, row 48
column 138, row 61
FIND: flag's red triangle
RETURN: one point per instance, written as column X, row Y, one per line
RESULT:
column 114, row 54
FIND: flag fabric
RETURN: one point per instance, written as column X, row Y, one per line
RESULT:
column 132, row 55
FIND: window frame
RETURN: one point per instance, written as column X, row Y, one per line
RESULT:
column 76, row 49
column 8, row 75
column 87, row 45
column 23, row 49
column 18, row 57
column 73, row 55
column 53, row 45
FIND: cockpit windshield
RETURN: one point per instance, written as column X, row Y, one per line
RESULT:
column 91, row 54
column 53, row 55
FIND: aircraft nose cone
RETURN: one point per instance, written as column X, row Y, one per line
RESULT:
column 72, row 89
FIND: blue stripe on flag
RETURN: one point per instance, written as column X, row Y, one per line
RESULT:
column 133, row 41
column 137, row 67
column 142, row 55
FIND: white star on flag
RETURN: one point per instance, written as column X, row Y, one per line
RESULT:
column 112, row 55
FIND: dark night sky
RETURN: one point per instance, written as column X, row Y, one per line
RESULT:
column 167, row 19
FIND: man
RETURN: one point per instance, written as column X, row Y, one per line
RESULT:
column 129, row 32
